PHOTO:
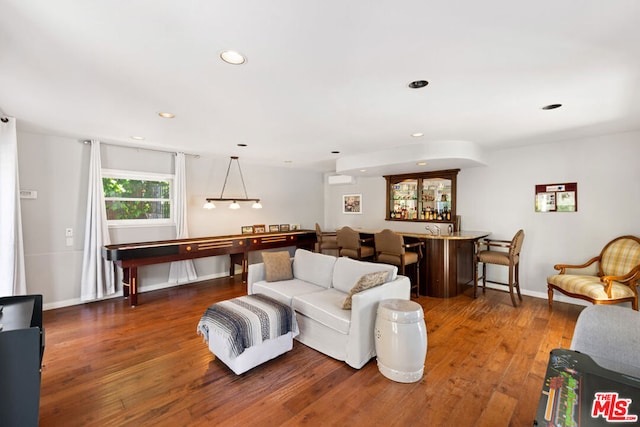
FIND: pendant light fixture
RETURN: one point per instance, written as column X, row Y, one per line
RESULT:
column 234, row 200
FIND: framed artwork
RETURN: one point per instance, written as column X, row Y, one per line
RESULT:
column 247, row 229
column 294, row 227
column 557, row 197
column 259, row 228
column 274, row 228
column 284, row 227
column 352, row 204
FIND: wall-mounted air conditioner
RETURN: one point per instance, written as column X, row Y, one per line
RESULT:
column 341, row 179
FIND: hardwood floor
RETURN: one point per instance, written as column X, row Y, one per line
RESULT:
column 108, row 364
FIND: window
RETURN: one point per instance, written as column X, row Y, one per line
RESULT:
column 137, row 198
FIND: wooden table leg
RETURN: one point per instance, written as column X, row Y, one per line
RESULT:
column 130, row 284
column 245, row 269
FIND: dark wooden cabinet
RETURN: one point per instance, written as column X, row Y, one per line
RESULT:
column 21, row 352
column 425, row 196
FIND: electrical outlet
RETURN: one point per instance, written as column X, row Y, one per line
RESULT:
column 68, row 232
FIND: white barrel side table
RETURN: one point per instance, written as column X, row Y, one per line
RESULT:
column 401, row 340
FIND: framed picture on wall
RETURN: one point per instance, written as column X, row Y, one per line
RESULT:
column 247, row 229
column 284, row 227
column 274, row 228
column 352, row 204
column 259, row 228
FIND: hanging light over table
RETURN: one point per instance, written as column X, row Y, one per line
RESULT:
column 234, row 201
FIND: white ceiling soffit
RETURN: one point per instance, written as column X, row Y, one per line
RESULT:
column 436, row 155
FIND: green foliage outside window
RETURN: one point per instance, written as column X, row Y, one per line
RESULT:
column 136, row 199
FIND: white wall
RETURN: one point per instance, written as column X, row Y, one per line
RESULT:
column 500, row 198
column 57, row 168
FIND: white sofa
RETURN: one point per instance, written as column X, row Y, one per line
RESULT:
column 317, row 291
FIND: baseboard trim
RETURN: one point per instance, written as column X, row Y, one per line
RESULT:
column 118, row 294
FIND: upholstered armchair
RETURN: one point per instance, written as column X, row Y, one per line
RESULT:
column 609, row 278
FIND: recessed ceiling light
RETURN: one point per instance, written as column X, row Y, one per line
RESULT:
column 551, row 106
column 138, row 138
column 166, row 115
column 232, row 57
column 335, row 152
column 363, row 170
column 421, row 163
column 417, row 84
column 417, row 134
column 288, row 161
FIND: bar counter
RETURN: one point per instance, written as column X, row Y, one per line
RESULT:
column 448, row 260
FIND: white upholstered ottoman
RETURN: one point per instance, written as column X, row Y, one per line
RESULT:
column 247, row 331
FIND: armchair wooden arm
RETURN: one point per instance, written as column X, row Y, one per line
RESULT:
column 563, row 267
column 494, row 242
column 629, row 277
column 419, row 245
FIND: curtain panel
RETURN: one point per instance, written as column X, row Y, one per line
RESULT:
column 97, row 273
column 181, row 271
column 12, row 271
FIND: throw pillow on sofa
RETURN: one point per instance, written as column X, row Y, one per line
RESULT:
column 367, row 281
column 348, row 271
column 277, row 266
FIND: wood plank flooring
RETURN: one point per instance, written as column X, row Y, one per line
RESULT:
column 107, row 364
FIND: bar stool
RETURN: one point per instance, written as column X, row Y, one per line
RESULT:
column 351, row 245
column 326, row 241
column 391, row 249
column 509, row 258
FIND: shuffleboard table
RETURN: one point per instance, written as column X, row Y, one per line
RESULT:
column 130, row 256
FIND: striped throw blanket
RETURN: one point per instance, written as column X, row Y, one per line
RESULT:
column 247, row 321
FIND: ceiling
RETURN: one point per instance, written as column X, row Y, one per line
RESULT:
column 323, row 76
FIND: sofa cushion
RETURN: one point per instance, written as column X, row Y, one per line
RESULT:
column 324, row 308
column 367, row 281
column 347, row 272
column 313, row 267
column 277, row 266
column 284, row 290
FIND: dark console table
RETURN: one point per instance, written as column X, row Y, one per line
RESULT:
column 21, row 351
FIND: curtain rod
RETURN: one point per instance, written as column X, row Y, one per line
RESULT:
column 137, row 147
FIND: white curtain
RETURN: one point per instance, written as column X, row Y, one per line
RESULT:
column 12, row 276
column 181, row 271
column 97, row 274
